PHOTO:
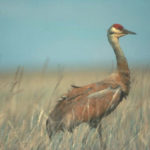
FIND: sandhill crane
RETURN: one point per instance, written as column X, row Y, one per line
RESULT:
column 92, row 102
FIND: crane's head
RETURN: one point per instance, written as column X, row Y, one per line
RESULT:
column 117, row 30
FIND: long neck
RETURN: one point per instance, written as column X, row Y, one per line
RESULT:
column 122, row 64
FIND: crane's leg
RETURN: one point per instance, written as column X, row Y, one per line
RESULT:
column 102, row 143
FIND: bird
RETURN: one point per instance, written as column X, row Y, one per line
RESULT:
column 91, row 103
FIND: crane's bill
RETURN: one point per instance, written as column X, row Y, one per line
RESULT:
column 125, row 31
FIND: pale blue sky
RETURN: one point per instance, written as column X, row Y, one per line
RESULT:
column 71, row 32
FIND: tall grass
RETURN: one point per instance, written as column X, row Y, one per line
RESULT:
column 27, row 98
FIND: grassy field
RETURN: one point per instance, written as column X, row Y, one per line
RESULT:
column 27, row 98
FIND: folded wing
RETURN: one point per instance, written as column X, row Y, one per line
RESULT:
column 88, row 102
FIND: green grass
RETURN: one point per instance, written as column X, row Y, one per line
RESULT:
column 26, row 100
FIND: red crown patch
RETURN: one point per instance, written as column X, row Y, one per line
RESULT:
column 118, row 26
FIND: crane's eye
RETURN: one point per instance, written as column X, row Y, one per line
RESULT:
column 111, row 32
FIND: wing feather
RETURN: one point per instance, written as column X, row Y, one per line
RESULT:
column 105, row 101
column 88, row 89
column 79, row 98
column 99, row 94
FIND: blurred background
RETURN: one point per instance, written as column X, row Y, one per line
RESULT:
column 71, row 33
column 48, row 45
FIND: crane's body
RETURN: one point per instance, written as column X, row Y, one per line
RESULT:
column 92, row 102
column 87, row 104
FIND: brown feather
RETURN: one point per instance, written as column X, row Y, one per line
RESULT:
column 78, row 107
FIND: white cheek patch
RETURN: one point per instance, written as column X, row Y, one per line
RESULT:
column 115, row 30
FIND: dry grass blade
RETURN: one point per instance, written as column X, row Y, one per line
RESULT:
column 55, row 88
